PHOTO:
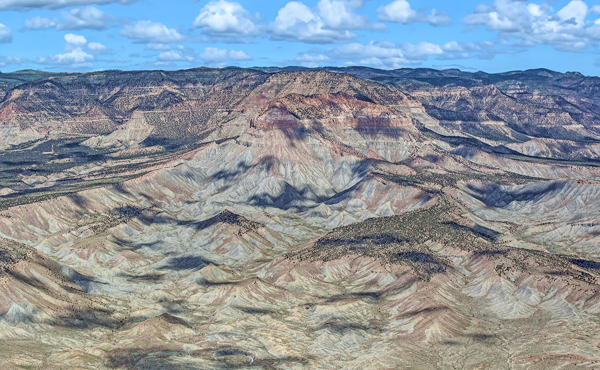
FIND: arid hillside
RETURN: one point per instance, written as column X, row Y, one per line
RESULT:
column 312, row 219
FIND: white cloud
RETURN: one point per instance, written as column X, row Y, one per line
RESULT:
column 400, row 11
column 88, row 18
column 147, row 31
column 97, row 48
column 329, row 22
column 595, row 9
column 385, row 54
column 482, row 50
column 338, row 15
column 371, row 50
column 163, row 64
column 311, row 61
column 454, row 46
column 25, row 5
column 219, row 57
column 565, row 29
column 158, row 47
column 356, row 4
column 574, row 12
column 461, row 55
column 297, row 22
column 594, row 31
column 211, row 54
column 227, row 20
column 39, row 23
column 171, row 56
column 74, row 19
column 7, row 60
column 75, row 58
column 5, row 34
column 420, row 51
column 75, row 40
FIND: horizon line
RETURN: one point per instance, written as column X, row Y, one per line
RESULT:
column 283, row 69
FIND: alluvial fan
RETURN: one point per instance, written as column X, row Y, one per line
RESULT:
column 321, row 219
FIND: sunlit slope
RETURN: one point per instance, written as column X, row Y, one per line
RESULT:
column 309, row 219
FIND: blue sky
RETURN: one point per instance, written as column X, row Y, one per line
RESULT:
column 487, row 35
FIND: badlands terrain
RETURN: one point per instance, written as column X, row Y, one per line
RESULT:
column 341, row 218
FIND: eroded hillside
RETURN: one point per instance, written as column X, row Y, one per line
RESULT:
column 350, row 218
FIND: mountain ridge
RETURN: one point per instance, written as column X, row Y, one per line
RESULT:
column 299, row 219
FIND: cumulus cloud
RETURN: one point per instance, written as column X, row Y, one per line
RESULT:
column 400, row 11
column 385, row 54
column 420, row 51
column 311, row 61
column 147, row 31
column 171, row 56
column 74, row 19
column 356, row 4
column 594, row 30
column 8, row 60
column 212, row 54
column 338, row 15
column 25, row 5
column 5, row 34
column 297, row 22
column 227, row 20
column 565, row 29
column 75, row 41
column 452, row 46
column 158, row 47
column 76, row 58
column 97, row 48
column 329, row 22
column 39, row 23
column 454, row 50
column 481, row 50
column 219, row 57
column 90, row 18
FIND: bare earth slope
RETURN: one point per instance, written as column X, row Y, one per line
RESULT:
column 350, row 218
